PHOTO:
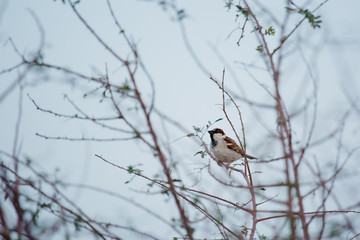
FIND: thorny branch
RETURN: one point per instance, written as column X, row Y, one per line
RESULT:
column 15, row 185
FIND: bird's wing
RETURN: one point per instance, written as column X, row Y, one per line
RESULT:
column 231, row 144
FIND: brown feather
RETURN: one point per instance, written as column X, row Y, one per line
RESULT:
column 231, row 144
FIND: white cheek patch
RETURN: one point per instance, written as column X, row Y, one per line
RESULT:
column 218, row 136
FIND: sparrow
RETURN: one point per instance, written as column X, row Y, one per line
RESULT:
column 224, row 148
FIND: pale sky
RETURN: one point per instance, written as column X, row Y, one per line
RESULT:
column 184, row 92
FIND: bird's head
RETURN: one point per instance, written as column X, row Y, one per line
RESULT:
column 216, row 131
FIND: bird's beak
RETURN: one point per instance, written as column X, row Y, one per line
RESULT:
column 211, row 132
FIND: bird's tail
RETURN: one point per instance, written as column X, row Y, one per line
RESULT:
column 250, row 157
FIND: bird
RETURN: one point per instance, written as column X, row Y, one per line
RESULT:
column 224, row 148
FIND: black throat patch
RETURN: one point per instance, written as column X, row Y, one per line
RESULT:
column 213, row 142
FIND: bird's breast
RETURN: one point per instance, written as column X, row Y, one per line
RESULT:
column 224, row 154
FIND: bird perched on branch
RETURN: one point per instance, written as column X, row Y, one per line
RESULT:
column 224, row 148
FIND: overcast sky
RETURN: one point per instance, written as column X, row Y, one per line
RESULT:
column 183, row 88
